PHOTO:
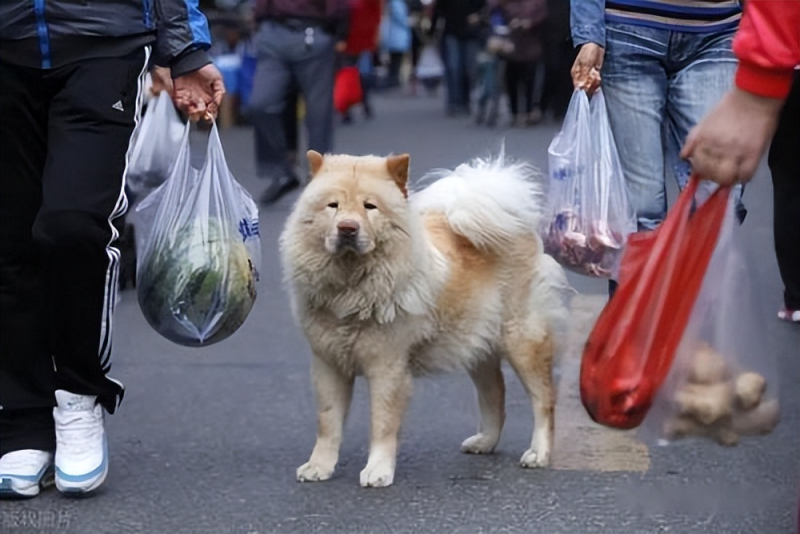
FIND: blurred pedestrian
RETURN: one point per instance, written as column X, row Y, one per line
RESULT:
column 491, row 67
column 524, row 69
column 362, row 42
column 462, row 40
column 417, row 19
column 395, row 39
column 296, row 43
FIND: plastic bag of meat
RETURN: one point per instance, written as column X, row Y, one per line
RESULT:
column 588, row 216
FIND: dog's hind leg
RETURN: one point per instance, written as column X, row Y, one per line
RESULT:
column 532, row 360
column 334, row 391
column 389, row 393
column 488, row 379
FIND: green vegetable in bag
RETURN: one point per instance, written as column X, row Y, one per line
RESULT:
column 198, row 287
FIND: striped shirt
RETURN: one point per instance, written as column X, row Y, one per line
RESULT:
column 676, row 15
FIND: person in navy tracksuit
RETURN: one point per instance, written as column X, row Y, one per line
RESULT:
column 71, row 78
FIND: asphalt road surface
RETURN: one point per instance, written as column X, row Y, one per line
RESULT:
column 207, row 440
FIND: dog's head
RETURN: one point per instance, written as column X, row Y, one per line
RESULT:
column 353, row 203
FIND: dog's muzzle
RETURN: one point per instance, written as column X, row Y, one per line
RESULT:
column 347, row 235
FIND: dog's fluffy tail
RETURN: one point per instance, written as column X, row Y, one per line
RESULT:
column 488, row 201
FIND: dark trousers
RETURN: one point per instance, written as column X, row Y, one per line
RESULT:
column 784, row 165
column 287, row 60
column 524, row 78
column 64, row 140
column 460, row 63
column 395, row 64
column 559, row 57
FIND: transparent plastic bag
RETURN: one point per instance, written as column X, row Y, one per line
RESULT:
column 723, row 382
column 156, row 145
column 588, row 215
column 198, row 270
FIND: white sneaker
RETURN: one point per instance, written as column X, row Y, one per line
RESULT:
column 81, row 447
column 24, row 472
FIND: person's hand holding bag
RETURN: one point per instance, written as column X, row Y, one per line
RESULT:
column 586, row 69
column 717, row 148
column 199, row 93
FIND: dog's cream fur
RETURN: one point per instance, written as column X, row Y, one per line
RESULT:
column 389, row 285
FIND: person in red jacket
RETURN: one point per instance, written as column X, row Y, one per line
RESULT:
column 765, row 104
column 362, row 41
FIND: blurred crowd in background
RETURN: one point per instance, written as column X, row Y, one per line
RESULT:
column 505, row 62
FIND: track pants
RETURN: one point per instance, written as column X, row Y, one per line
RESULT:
column 64, row 145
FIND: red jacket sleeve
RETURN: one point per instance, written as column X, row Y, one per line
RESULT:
column 768, row 47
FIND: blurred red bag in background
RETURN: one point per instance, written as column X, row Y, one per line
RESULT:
column 347, row 90
column 634, row 341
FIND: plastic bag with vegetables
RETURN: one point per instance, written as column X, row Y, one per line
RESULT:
column 197, row 274
column 723, row 382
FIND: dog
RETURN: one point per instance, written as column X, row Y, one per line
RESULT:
column 390, row 285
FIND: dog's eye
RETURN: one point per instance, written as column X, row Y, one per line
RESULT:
column 370, row 206
column 333, row 205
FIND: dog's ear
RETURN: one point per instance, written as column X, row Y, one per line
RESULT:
column 398, row 170
column 314, row 161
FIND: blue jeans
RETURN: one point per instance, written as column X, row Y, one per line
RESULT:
column 460, row 63
column 658, row 84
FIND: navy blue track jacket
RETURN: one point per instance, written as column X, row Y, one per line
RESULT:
column 50, row 33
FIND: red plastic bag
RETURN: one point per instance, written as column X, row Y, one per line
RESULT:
column 347, row 89
column 634, row 341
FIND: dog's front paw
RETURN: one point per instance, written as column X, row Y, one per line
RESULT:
column 377, row 476
column 478, row 444
column 531, row 458
column 312, row 472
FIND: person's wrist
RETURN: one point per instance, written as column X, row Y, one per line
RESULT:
column 757, row 103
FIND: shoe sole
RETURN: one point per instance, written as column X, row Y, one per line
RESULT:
column 47, row 480
column 79, row 491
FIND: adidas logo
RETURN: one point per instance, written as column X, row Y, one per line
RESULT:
column 118, row 106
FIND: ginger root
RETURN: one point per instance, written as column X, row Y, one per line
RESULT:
column 708, row 366
column 760, row 420
column 682, row 427
column 713, row 404
column 749, row 388
column 706, row 403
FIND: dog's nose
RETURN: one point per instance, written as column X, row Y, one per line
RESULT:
column 348, row 227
